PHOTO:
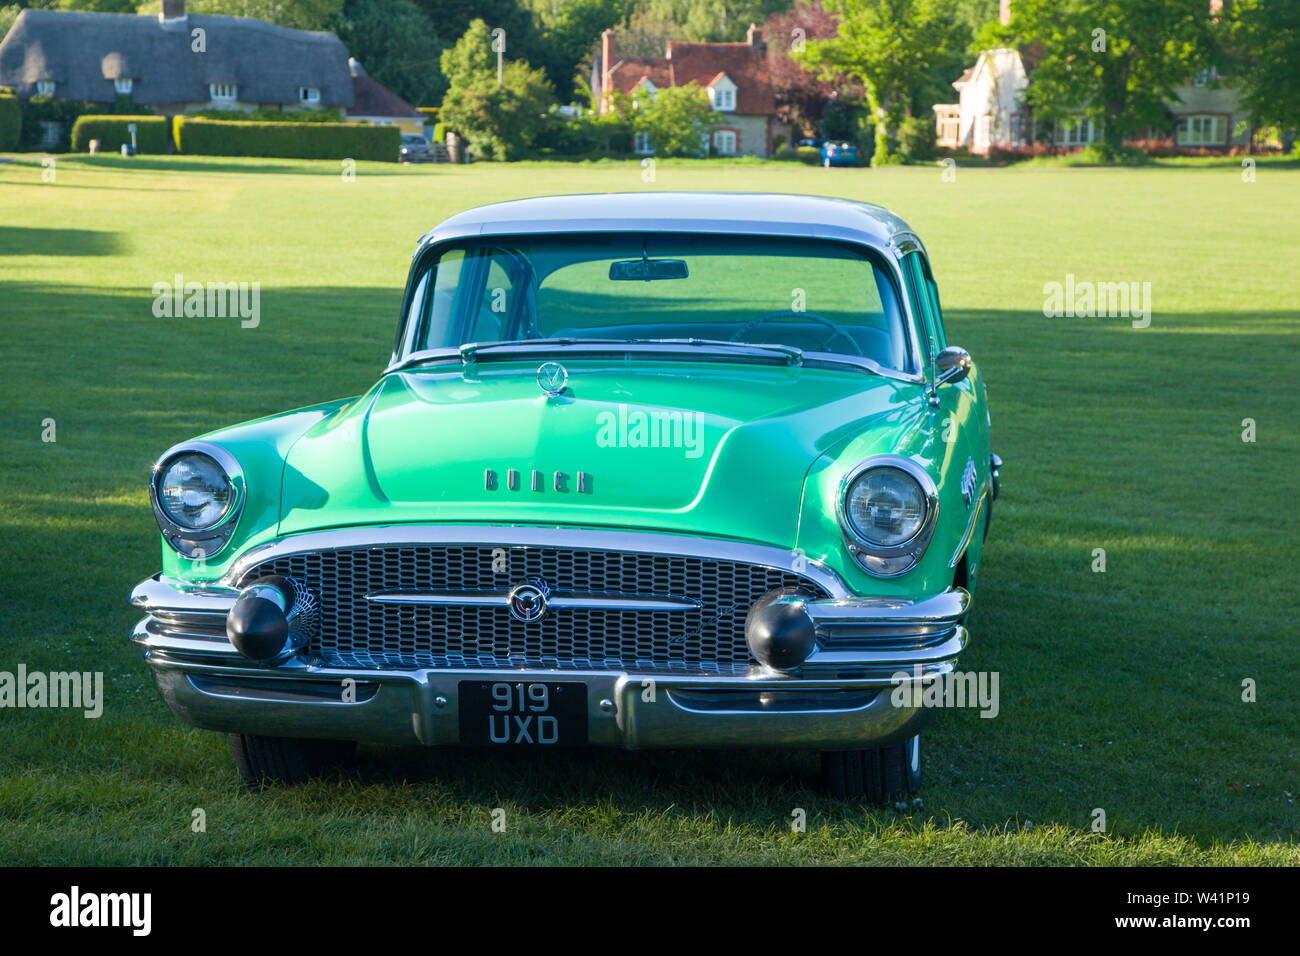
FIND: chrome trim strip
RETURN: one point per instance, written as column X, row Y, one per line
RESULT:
column 946, row 608
column 559, row 599
column 970, row 526
column 536, row 536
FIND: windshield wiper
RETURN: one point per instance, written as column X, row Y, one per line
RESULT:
column 794, row 356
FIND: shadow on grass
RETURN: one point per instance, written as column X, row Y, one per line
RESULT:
column 39, row 241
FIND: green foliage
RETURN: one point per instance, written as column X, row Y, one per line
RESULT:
column 500, row 121
column 440, row 133
column 569, row 31
column 917, row 140
column 205, row 137
column 41, row 109
column 1103, row 154
column 8, row 14
column 895, row 48
column 1098, row 60
column 398, row 46
column 1264, row 37
column 11, row 122
column 296, row 14
column 151, row 133
column 272, row 116
column 676, row 120
column 93, row 6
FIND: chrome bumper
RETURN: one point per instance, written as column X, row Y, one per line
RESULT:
column 841, row 698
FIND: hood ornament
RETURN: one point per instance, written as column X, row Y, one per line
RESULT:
column 552, row 378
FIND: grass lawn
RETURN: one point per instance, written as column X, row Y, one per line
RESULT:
column 1119, row 690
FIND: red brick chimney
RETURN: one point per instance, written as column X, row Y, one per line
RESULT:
column 1004, row 12
column 754, row 36
column 606, row 65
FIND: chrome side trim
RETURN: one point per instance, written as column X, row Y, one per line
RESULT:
column 970, row 526
column 537, row 536
column 557, row 599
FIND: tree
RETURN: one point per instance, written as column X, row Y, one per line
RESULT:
column 1264, row 45
column 801, row 94
column 295, row 14
column 499, row 120
column 569, row 31
column 1115, row 61
column 894, row 48
column 676, row 120
column 397, row 45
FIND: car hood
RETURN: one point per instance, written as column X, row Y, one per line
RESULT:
column 709, row 448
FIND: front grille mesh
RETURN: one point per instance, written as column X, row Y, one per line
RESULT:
column 358, row 633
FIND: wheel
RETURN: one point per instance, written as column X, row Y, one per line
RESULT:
column 884, row 775
column 286, row 759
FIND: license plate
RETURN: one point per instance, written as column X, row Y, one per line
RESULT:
column 523, row 712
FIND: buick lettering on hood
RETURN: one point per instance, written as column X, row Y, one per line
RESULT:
column 654, row 470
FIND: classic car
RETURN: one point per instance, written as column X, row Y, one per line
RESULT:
column 652, row 470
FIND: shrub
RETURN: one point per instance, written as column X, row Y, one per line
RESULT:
column 917, row 140
column 272, row 116
column 112, row 133
column 1099, row 154
column 440, row 133
column 808, row 154
column 205, row 137
column 785, row 154
column 11, row 122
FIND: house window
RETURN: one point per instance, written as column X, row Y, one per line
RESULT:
column 724, row 142
column 123, row 86
column 308, row 94
column 1202, row 130
column 641, row 143
column 1206, row 77
column 45, row 88
column 51, row 133
column 723, row 98
column 1017, row 130
column 1078, row 133
column 948, row 127
column 223, row 92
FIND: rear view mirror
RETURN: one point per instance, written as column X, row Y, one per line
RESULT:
column 647, row 270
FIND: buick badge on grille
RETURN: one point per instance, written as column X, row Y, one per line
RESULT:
column 529, row 601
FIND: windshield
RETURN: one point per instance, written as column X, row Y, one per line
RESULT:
column 814, row 295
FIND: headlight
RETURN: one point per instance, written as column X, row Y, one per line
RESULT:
column 887, row 511
column 885, row 507
column 194, row 492
column 197, row 492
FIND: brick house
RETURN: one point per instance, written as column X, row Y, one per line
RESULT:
column 734, row 75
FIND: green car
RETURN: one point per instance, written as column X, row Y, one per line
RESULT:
column 653, row 470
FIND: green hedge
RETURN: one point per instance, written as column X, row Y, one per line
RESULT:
column 11, row 122
column 205, row 137
column 112, row 133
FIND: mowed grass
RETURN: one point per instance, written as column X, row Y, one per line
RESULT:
column 1120, row 691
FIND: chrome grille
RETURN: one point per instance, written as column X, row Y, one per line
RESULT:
column 355, row 632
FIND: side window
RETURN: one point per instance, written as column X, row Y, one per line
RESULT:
column 923, row 294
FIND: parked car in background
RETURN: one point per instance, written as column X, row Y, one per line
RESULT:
column 415, row 149
column 839, row 153
column 814, row 143
column 613, row 489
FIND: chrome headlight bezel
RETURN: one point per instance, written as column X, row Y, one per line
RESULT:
column 888, row 561
column 198, row 543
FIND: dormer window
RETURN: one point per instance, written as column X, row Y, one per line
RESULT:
column 45, row 87
column 308, row 94
column 123, row 86
column 722, row 94
column 223, row 92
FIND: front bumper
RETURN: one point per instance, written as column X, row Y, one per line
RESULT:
column 840, row 698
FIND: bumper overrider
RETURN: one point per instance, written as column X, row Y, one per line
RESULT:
column 231, row 659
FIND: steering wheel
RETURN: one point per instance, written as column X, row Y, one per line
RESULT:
column 836, row 330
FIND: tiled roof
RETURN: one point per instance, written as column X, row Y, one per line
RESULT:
column 704, row 64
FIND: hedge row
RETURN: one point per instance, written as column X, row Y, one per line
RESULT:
column 206, row 137
column 11, row 121
column 112, row 133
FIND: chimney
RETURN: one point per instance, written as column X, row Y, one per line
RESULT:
column 754, row 37
column 172, row 10
column 1004, row 12
column 1216, row 7
column 606, row 65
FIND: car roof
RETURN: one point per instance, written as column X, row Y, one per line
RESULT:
column 776, row 214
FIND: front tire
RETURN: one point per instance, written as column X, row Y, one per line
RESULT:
column 883, row 775
column 262, row 760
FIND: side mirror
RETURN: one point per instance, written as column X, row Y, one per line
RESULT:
column 953, row 365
